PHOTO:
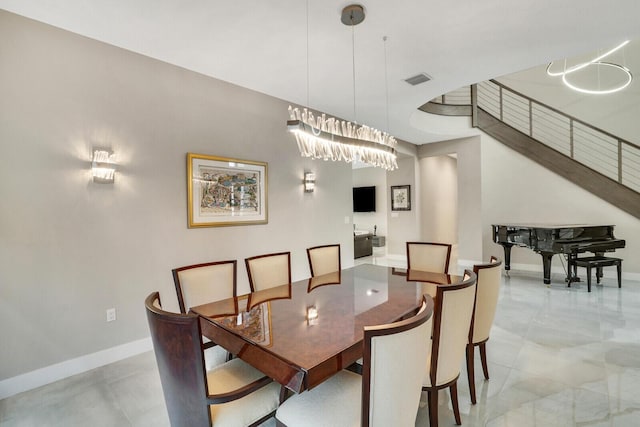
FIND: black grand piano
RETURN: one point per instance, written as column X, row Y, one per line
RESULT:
column 548, row 240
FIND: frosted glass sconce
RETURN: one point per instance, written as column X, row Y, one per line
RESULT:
column 309, row 182
column 103, row 169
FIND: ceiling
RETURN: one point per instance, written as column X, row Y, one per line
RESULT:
column 280, row 48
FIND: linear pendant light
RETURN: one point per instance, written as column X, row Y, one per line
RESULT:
column 328, row 138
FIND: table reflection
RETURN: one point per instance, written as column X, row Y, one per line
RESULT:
column 323, row 280
column 278, row 292
column 254, row 324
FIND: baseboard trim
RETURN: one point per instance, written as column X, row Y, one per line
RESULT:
column 52, row 373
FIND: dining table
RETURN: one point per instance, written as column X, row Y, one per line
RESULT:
column 302, row 333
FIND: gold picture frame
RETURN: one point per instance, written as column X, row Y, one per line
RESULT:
column 224, row 191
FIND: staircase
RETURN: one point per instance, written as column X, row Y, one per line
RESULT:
column 601, row 163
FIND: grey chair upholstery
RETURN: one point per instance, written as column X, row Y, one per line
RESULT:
column 451, row 321
column 487, row 292
column 324, row 259
column 348, row 399
column 268, row 271
column 231, row 394
column 428, row 256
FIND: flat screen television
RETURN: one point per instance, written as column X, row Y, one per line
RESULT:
column 364, row 199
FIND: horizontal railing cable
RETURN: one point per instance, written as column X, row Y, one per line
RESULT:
column 597, row 149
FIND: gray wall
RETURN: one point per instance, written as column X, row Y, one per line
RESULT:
column 69, row 248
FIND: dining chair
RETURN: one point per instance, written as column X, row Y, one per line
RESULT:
column 203, row 283
column 387, row 393
column 233, row 393
column 428, row 256
column 324, row 259
column 268, row 271
column 487, row 291
column 452, row 319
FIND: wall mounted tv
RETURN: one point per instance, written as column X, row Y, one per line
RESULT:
column 364, row 199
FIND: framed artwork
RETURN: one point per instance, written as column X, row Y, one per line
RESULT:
column 223, row 191
column 401, row 198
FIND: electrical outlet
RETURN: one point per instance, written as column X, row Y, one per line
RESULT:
column 111, row 315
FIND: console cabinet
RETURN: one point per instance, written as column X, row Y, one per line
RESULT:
column 362, row 245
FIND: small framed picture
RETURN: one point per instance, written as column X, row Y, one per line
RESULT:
column 225, row 191
column 401, row 198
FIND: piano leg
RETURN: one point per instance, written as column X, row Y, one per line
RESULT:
column 507, row 256
column 572, row 269
column 546, row 266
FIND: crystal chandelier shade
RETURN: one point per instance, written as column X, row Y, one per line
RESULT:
column 328, row 138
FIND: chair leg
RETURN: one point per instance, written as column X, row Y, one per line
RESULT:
column 284, row 394
column 483, row 359
column 471, row 373
column 453, row 390
column 432, row 398
column 588, row 279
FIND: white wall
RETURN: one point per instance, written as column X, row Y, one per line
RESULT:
column 69, row 248
column 403, row 226
column 518, row 190
column 469, row 195
column 365, row 177
column 439, row 199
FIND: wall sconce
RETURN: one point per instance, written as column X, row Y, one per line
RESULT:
column 309, row 182
column 103, row 169
column 312, row 315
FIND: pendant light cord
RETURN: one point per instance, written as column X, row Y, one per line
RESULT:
column 308, row 54
column 353, row 66
column 386, row 83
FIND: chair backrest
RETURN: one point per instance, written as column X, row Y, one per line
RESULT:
column 203, row 283
column 393, row 368
column 452, row 319
column 487, row 292
column 268, row 271
column 324, row 259
column 428, row 256
column 178, row 348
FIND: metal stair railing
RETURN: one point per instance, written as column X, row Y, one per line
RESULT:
column 607, row 154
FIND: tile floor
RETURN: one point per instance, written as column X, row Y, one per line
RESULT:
column 557, row 357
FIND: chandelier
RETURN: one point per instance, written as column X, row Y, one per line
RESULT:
column 328, row 138
column 599, row 65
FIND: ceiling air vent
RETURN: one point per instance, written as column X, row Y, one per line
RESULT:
column 417, row 79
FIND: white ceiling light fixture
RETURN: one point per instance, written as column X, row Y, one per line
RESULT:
column 626, row 77
column 329, row 138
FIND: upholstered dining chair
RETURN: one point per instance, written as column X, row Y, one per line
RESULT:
column 233, row 393
column 487, row 291
column 202, row 283
column 451, row 321
column 428, row 256
column 387, row 393
column 268, row 271
column 324, row 259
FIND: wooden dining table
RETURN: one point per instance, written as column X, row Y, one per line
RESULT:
column 302, row 333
